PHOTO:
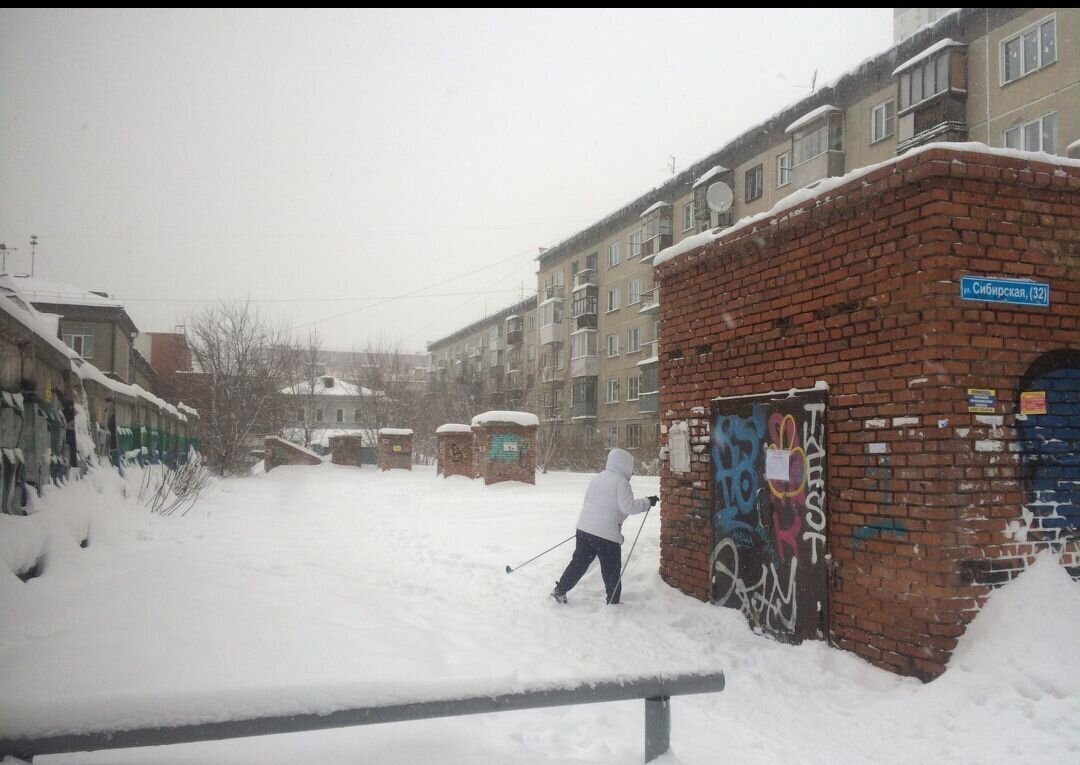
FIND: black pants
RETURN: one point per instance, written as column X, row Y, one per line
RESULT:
column 587, row 547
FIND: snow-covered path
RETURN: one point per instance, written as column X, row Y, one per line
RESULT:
column 312, row 589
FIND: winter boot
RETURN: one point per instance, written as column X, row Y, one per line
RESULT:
column 558, row 595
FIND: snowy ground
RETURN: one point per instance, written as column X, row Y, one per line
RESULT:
column 310, row 589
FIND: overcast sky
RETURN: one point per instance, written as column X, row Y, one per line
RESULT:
column 330, row 163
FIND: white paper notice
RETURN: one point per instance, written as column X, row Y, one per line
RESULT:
column 776, row 464
column 679, row 447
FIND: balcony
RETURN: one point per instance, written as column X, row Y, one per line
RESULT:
column 583, row 409
column 650, row 300
column 552, row 292
column 585, row 278
column 550, row 374
column 651, row 247
column 515, row 381
column 551, row 333
column 585, row 366
column 649, row 403
column 515, row 330
column 586, row 300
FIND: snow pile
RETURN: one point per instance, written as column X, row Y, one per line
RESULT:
column 495, row 417
column 395, row 431
column 453, row 427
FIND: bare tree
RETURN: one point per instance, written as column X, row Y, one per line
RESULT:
column 394, row 397
column 244, row 361
column 304, row 385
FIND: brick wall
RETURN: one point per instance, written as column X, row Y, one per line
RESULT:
column 928, row 504
column 347, row 450
column 505, row 452
column 278, row 451
column 395, row 452
column 456, row 454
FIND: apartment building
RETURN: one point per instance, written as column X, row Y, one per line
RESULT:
column 1006, row 77
column 491, row 363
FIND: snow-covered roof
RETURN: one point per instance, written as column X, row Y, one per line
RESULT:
column 453, row 427
column 714, row 171
column 395, row 431
column 650, row 360
column 296, row 446
column 938, row 46
column 320, row 388
column 806, row 119
column 821, row 188
column 525, row 419
column 38, row 290
column 17, row 305
column 655, row 207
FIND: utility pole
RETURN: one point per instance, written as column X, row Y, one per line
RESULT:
column 33, row 252
column 4, row 250
column 672, row 163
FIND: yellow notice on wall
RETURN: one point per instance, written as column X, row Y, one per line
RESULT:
column 397, row 447
column 1033, row 402
column 48, row 390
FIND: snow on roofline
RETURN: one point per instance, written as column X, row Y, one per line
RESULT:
column 939, row 45
column 828, row 184
column 525, row 419
column 40, row 290
column 296, row 446
column 453, row 427
column 656, row 206
column 806, row 119
column 395, row 431
column 714, row 171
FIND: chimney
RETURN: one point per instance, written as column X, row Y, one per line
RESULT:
column 328, row 381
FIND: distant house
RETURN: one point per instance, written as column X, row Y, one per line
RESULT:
column 94, row 325
column 327, row 406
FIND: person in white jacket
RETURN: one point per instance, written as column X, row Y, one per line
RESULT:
column 609, row 500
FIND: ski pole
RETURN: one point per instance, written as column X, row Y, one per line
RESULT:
column 545, row 552
column 642, row 526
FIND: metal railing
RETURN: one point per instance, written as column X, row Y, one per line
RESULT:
column 656, row 690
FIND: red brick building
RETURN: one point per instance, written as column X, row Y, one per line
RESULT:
column 938, row 454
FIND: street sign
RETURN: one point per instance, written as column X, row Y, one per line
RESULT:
column 1014, row 291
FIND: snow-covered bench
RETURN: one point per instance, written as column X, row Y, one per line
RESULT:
column 656, row 690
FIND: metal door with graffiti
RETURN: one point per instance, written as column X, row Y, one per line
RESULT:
column 769, row 536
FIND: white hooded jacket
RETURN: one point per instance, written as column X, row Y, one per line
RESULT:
column 609, row 499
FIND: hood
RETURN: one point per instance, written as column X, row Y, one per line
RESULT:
column 621, row 462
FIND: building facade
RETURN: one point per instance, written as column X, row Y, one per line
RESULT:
column 1005, row 77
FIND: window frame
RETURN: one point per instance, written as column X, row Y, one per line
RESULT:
column 611, row 391
column 635, row 333
column 887, row 131
column 1037, row 26
column 613, row 336
column 613, row 295
column 614, row 257
column 754, row 180
column 1021, row 129
column 634, row 434
column 633, row 244
column 70, row 338
column 783, row 170
column 631, row 298
column 633, row 387
column 688, row 216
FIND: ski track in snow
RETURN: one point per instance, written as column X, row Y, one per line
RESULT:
column 310, row 589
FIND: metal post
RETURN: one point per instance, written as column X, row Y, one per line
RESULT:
column 657, row 726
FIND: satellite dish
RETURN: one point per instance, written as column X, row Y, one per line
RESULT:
column 719, row 197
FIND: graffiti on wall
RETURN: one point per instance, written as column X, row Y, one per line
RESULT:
column 454, row 453
column 768, row 557
column 508, row 447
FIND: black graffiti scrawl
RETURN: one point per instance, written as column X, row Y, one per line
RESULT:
column 769, row 549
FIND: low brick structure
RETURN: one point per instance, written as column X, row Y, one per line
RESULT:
column 395, row 449
column 278, row 451
column 505, row 446
column 937, row 300
column 347, row 450
column 456, row 454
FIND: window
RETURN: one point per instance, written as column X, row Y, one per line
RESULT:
column 496, row 331
column 532, row 322
column 530, row 353
column 883, row 121
column 633, row 436
column 613, row 391
column 633, row 340
column 633, row 292
column 753, row 183
column 300, row 414
column 613, row 299
column 1032, row 49
column 818, row 138
column 560, row 358
column 633, row 386
column 583, row 344
column 583, row 391
column 688, row 216
column 925, row 80
column 356, row 415
column 612, row 345
column 590, row 262
column 340, row 415
column 613, row 254
column 783, row 169
column 81, row 344
column 556, row 398
column 634, row 245
column 318, row 415
column 1037, row 135
column 612, row 436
